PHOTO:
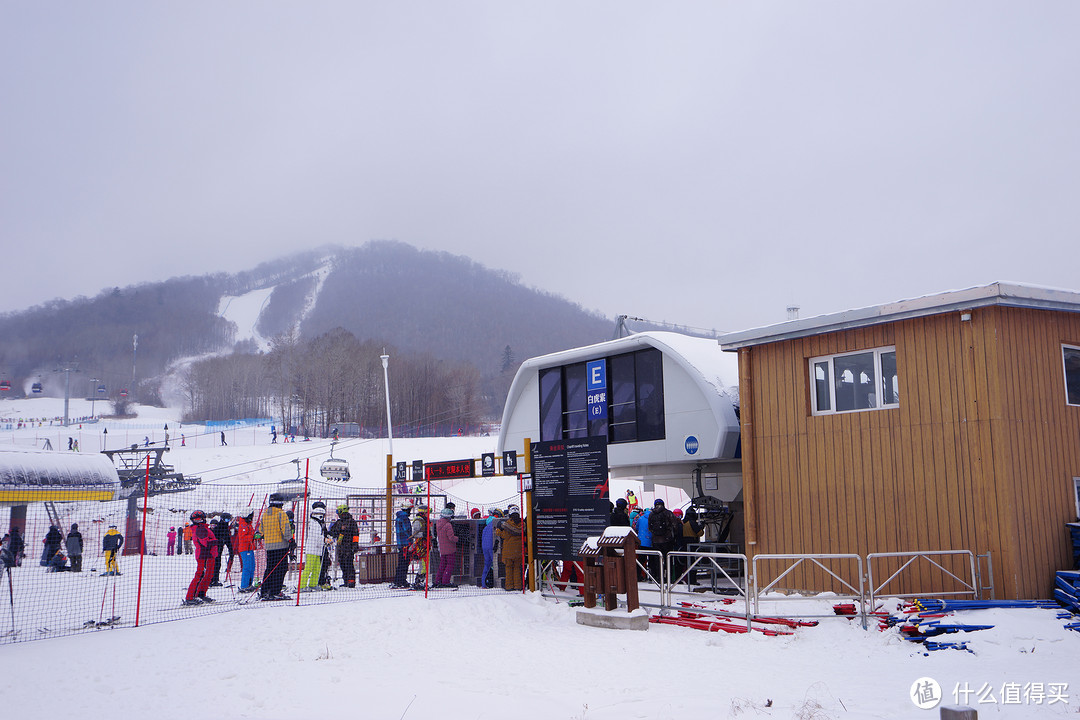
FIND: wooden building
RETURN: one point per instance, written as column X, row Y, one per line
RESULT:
column 948, row 422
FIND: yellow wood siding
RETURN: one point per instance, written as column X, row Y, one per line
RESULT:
column 979, row 455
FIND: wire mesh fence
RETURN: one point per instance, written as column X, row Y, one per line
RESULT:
column 85, row 566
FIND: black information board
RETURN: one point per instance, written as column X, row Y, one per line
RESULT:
column 570, row 495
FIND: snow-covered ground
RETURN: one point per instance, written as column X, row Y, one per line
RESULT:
column 484, row 655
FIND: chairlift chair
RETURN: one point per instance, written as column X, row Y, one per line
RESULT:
column 101, row 389
column 335, row 469
column 36, row 388
column 5, row 386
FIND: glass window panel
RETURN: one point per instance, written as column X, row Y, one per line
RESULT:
column 623, row 410
column 1072, row 375
column 649, row 373
column 890, row 387
column 853, row 377
column 551, row 404
column 576, row 417
column 822, row 401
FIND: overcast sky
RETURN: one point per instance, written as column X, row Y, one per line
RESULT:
column 705, row 163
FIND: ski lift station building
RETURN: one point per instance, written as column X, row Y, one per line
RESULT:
column 949, row 422
column 671, row 409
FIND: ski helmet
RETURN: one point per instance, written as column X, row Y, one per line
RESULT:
column 197, row 516
column 277, row 499
column 342, row 509
column 318, row 504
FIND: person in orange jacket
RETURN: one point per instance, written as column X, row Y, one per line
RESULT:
column 187, row 539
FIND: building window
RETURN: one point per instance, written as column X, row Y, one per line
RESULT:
column 1071, row 358
column 635, row 405
column 865, row 380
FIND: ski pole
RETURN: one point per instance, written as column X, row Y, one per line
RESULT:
column 11, row 597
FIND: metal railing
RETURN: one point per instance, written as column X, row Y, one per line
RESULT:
column 931, row 557
column 857, row 595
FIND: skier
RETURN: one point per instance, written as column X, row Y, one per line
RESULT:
column 243, row 543
column 110, row 546
column 444, row 529
column 277, row 537
column 13, row 547
column 52, row 544
column 419, row 546
column 511, row 531
column 220, row 528
column 74, row 545
column 202, row 537
column 314, row 542
column 665, row 527
column 345, row 531
column 487, row 544
column 170, row 548
column 223, row 443
column 619, row 516
column 402, row 531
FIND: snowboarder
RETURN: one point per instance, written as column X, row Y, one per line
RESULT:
column 205, row 551
column 74, row 544
column 110, row 546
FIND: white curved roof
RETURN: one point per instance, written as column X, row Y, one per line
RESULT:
column 714, row 374
column 36, row 475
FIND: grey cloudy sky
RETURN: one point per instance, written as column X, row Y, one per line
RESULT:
column 705, row 163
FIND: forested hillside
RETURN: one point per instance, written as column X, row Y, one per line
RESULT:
column 456, row 330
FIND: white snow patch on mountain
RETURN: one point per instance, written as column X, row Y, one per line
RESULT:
column 244, row 311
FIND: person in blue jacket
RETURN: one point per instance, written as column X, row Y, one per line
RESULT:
column 402, row 533
column 487, row 544
column 641, row 527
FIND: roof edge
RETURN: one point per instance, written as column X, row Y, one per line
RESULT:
column 1004, row 294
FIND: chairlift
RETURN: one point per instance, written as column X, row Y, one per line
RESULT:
column 5, row 386
column 101, row 389
column 292, row 488
column 36, row 388
column 123, row 393
column 333, row 468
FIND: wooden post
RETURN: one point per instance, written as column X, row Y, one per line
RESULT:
column 389, row 538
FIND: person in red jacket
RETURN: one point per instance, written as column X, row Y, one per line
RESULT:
column 244, row 546
column 202, row 537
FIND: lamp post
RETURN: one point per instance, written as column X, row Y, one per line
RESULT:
column 386, row 382
column 93, row 395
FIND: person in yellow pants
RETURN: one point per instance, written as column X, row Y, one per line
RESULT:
column 314, row 539
column 110, row 545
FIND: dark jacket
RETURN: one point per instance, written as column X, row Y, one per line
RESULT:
column 619, row 517
column 53, row 539
column 345, row 530
column 113, row 540
column 220, row 529
column 664, row 527
column 74, row 543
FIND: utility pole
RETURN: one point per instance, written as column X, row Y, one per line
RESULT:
column 134, row 351
column 386, row 382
